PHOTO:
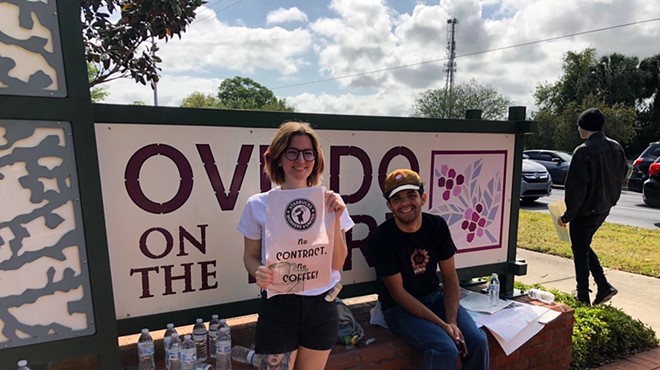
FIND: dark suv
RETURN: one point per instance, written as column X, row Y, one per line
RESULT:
column 557, row 162
column 640, row 168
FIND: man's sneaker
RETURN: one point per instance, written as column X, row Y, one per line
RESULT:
column 583, row 297
column 604, row 295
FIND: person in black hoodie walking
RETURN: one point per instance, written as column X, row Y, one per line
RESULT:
column 593, row 186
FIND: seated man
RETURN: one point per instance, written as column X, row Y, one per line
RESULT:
column 406, row 250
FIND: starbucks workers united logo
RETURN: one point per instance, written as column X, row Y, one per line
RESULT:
column 300, row 214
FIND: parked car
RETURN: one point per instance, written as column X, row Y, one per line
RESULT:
column 651, row 188
column 640, row 167
column 555, row 161
column 535, row 181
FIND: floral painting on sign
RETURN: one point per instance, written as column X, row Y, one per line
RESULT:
column 467, row 190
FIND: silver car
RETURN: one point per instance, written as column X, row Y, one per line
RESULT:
column 535, row 181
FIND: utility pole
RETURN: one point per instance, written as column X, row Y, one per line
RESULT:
column 450, row 67
column 154, row 84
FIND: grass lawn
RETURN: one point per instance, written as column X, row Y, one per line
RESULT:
column 619, row 247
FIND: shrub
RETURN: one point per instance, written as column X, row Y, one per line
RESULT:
column 602, row 333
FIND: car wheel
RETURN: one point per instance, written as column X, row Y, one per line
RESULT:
column 650, row 203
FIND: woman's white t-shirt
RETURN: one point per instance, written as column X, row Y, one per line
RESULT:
column 252, row 226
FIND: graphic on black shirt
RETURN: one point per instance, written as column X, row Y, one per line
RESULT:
column 419, row 259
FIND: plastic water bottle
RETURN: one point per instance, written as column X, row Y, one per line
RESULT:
column 167, row 337
column 223, row 323
column 494, row 289
column 173, row 353
column 244, row 355
column 223, row 349
column 22, row 365
column 214, row 324
column 200, row 336
column 188, row 354
column 146, row 351
column 541, row 295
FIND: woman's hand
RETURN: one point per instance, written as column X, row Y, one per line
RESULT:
column 264, row 277
column 334, row 202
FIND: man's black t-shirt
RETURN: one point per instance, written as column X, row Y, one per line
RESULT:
column 414, row 255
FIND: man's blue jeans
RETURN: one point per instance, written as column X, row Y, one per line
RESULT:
column 439, row 350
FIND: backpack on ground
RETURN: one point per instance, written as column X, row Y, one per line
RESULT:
column 350, row 331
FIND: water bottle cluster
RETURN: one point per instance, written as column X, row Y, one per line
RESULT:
column 191, row 352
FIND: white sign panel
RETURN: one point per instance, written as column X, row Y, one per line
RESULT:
column 173, row 195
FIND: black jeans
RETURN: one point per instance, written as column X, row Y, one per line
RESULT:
column 582, row 230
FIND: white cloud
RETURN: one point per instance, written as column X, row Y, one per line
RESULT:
column 358, row 40
column 349, row 38
column 281, row 15
column 171, row 90
column 212, row 44
column 383, row 103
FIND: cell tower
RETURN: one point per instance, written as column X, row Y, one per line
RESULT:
column 451, row 61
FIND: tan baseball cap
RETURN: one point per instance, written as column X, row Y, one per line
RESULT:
column 402, row 179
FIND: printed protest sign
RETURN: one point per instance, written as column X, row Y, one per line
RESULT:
column 299, row 240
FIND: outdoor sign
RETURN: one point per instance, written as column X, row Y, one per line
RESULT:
column 298, row 234
column 173, row 195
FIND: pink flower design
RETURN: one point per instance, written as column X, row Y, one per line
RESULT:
column 451, row 181
column 473, row 222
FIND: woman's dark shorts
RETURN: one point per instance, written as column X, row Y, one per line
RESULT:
column 287, row 321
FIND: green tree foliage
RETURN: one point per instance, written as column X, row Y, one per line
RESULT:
column 200, row 100
column 245, row 93
column 618, row 80
column 572, row 86
column 122, row 47
column 613, row 83
column 649, row 115
column 437, row 103
column 558, row 129
column 97, row 93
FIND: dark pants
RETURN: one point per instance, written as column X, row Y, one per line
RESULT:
column 582, row 230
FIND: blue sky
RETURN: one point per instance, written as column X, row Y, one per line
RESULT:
column 288, row 46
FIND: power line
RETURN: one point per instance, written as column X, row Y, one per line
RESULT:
column 216, row 12
column 468, row 54
column 210, row 5
column 207, row 8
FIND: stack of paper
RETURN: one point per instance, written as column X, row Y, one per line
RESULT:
column 511, row 323
column 557, row 208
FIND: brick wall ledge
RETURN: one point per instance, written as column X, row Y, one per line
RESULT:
column 549, row 349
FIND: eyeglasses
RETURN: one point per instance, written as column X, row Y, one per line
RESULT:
column 292, row 154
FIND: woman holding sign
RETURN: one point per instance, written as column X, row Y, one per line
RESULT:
column 295, row 247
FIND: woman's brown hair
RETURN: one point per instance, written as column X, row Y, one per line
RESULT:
column 279, row 144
